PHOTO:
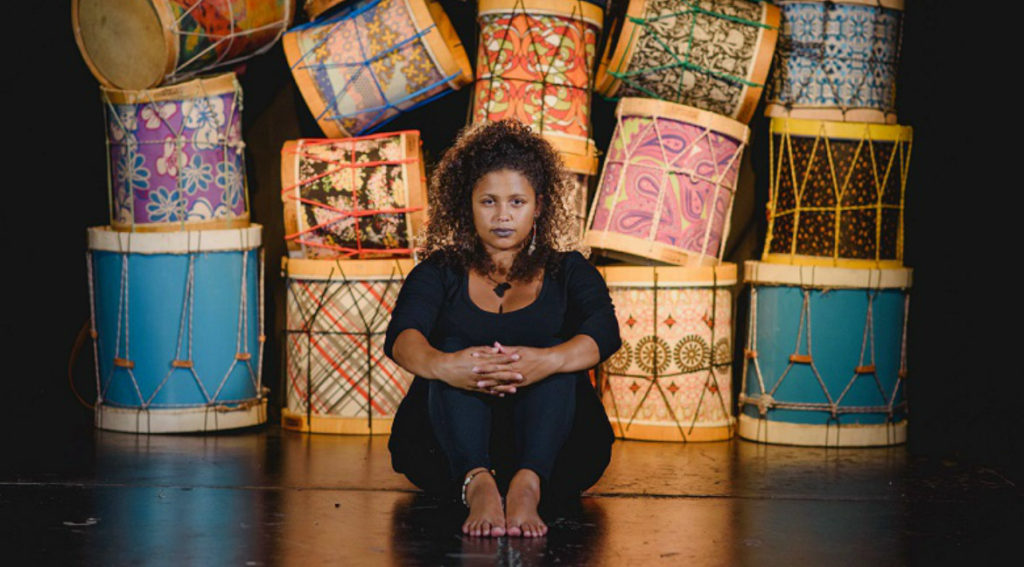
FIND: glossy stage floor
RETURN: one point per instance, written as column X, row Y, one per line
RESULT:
column 269, row 497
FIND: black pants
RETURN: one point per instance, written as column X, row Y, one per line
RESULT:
column 542, row 415
column 417, row 453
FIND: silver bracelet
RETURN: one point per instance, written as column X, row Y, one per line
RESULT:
column 469, row 479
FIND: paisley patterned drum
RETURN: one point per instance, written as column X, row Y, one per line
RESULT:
column 534, row 63
column 666, row 190
column 672, row 378
column 177, row 326
column 356, row 197
column 837, row 60
column 711, row 54
column 176, row 158
column 373, row 59
column 826, row 356
column 139, row 44
column 339, row 380
column 836, row 193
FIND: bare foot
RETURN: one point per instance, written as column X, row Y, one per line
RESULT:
column 485, row 513
column 521, row 515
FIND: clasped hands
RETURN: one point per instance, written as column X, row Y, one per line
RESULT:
column 499, row 370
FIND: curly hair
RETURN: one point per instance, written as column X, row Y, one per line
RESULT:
column 479, row 150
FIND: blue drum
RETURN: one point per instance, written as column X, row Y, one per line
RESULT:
column 177, row 326
column 837, row 60
column 825, row 357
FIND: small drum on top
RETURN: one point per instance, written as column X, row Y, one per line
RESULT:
column 825, row 360
column 709, row 54
column 837, row 60
column 534, row 64
column 666, row 191
column 362, row 65
column 353, row 198
column 837, row 191
column 672, row 378
column 177, row 327
column 176, row 158
column 347, row 200
column 338, row 379
column 139, row 44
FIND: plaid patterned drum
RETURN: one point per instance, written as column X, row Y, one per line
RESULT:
column 837, row 60
column 672, row 378
column 360, row 67
column 139, row 44
column 176, row 156
column 534, row 64
column 710, row 54
column 338, row 379
column 666, row 190
column 825, row 361
column 356, row 197
column 836, row 193
column 177, row 325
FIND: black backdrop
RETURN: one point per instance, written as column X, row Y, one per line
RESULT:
column 965, row 386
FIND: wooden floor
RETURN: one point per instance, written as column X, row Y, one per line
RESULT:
column 269, row 497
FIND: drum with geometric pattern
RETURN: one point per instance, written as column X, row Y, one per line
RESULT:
column 672, row 378
column 825, row 360
column 338, row 379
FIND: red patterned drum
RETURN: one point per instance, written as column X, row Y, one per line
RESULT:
column 338, row 379
column 672, row 378
column 138, row 44
column 356, row 197
column 666, row 191
column 535, row 63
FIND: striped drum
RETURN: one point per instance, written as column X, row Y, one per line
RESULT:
column 837, row 60
column 338, row 379
column 672, row 378
column 825, row 356
column 177, row 321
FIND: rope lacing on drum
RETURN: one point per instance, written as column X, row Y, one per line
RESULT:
column 330, row 387
column 331, row 109
column 692, row 9
column 183, row 351
column 295, row 192
column 174, row 28
column 766, row 398
column 519, row 10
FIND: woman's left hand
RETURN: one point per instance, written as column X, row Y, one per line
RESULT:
column 533, row 364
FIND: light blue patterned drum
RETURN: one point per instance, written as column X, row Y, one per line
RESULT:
column 825, row 358
column 177, row 325
column 837, row 60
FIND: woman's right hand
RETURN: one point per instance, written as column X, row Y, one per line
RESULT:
column 460, row 369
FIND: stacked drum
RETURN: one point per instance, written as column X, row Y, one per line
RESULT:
column 355, row 202
column 176, row 279
column 690, row 75
column 825, row 359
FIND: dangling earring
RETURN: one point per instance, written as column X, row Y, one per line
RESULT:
column 533, row 241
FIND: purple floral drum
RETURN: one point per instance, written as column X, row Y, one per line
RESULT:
column 666, row 191
column 176, row 156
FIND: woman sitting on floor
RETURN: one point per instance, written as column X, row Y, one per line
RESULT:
column 500, row 324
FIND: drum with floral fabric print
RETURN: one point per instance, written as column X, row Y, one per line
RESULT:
column 176, row 158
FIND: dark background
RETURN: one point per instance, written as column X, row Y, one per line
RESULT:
column 962, row 221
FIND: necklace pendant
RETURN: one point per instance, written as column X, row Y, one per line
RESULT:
column 501, row 288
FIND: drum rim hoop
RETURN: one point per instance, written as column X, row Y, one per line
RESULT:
column 650, row 108
column 106, row 239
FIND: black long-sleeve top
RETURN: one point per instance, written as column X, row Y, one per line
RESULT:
column 573, row 301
